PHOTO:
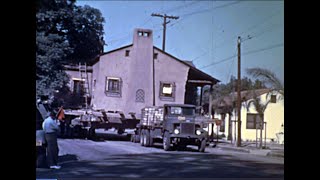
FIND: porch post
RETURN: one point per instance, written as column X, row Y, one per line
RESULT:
column 210, row 102
column 201, row 88
column 229, row 128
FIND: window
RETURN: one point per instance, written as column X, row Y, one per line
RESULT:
column 253, row 121
column 113, row 87
column 127, row 53
column 145, row 34
column 167, row 91
column 184, row 111
column 77, row 87
column 273, row 99
column 139, row 95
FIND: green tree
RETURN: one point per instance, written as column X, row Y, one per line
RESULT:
column 51, row 51
column 65, row 34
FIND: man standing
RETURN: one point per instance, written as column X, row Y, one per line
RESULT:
column 51, row 130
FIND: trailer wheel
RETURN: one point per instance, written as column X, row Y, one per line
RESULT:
column 91, row 133
column 141, row 137
column 166, row 141
column 202, row 145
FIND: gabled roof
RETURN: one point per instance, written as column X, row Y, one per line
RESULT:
column 190, row 63
column 98, row 57
column 193, row 70
column 116, row 49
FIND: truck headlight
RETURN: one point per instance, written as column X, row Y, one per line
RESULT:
column 176, row 131
column 198, row 132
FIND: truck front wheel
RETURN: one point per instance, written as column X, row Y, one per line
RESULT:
column 166, row 141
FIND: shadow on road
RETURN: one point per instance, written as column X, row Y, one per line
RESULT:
column 163, row 165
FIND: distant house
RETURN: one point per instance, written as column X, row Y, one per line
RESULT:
column 273, row 116
column 138, row 75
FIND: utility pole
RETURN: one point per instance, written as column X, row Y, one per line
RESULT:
column 239, row 94
column 165, row 22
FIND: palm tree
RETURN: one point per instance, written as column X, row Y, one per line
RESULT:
column 260, row 107
column 268, row 77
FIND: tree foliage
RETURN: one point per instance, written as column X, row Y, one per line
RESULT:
column 268, row 77
column 222, row 90
column 65, row 34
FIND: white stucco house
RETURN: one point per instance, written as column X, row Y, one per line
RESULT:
column 131, row 77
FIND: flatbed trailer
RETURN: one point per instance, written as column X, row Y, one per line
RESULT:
column 85, row 122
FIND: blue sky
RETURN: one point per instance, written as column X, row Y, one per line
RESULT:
column 206, row 31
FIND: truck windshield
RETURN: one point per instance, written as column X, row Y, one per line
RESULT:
column 184, row 111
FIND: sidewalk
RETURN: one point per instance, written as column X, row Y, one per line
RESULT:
column 272, row 150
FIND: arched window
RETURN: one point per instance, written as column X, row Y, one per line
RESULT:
column 140, row 95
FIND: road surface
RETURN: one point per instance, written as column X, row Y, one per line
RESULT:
column 122, row 159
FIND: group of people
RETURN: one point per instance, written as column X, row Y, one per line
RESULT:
column 51, row 130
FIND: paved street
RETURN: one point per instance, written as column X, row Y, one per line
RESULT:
column 89, row 159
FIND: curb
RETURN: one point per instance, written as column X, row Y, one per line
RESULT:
column 234, row 149
column 275, row 154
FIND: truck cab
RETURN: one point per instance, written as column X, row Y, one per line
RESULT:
column 173, row 124
column 180, row 127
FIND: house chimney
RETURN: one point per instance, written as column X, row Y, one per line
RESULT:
column 141, row 68
column 142, row 37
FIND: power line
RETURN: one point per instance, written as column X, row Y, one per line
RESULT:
column 223, row 60
column 269, row 28
column 247, row 30
column 231, row 68
column 180, row 7
column 203, row 11
column 246, row 53
column 260, row 22
column 263, row 49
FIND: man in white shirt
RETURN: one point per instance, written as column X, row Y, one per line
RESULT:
column 51, row 130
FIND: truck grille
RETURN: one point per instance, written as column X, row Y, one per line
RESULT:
column 187, row 128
